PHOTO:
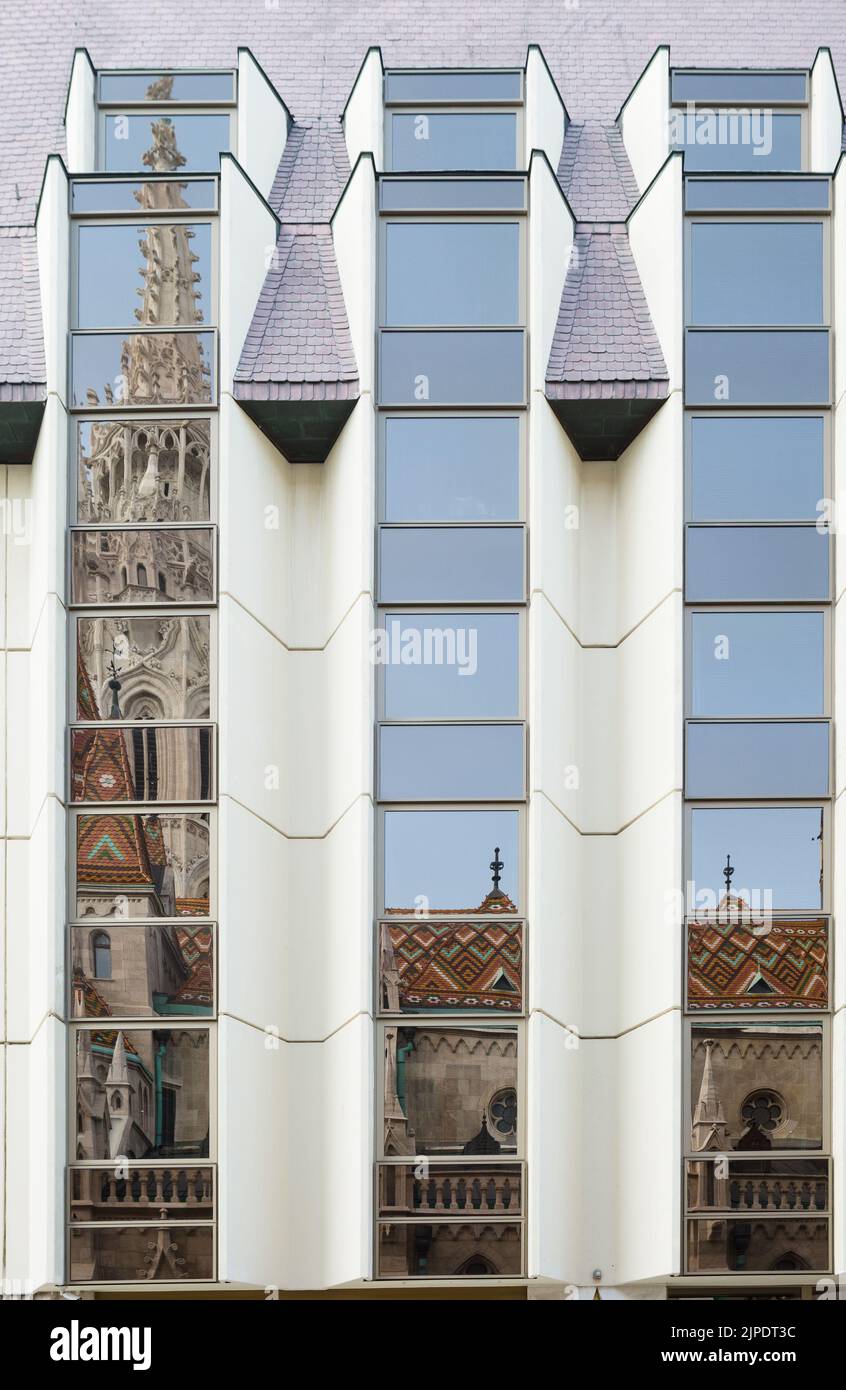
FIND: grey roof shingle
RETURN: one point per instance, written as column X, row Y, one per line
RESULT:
column 22, row 371
column 312, row 172
column 604, row 342
column 595, row 173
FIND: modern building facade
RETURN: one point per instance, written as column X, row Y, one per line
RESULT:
column 421, row 457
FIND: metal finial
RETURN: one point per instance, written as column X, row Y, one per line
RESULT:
column 496, row 866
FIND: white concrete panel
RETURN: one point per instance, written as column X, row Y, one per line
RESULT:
column 555, row 1156
column 838, row 1141
column 649, row 711
column 656, row 240
column 35, row 1157
column 364, row 121
column 354, row 235
column 555, row 484
column 36, row 710
column 648, row 543
column 645, row 119
column 53, row 242
column 544, row 114
column 550, row 232
column 81, row 115
column 263, row 122
column 597, row 623
column 555, row 911
column 247, row 248
column 35, row 906
column 826, row 114
column 36, row 515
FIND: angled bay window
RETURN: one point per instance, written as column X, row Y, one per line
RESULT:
column 168, row 762
column 748, row 272
column 761, row 367
column 450, row 1250
column 755, row 759
column 158, row 193
column 463, row 665
column 450, row 468
column 468, row 963
column 138, row 1254
column 459, row 367
column 756, row 467
column 141, row 668
column 737, row 961
column 725, row 564
column 451, row 564
column 757, row 194
column 451, row 273
column 451, row 762
column 143, row 470
column 117, row 277
column 140, row 865
column 747, row 664
column 447, row 120
column 777, row 853
column 444, row 860
column 162, row 970
column 740, row 121
column 146, row 119
column 133, row 566
column 451, row 195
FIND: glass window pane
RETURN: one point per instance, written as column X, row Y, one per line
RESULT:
column 452, row 86
column 174, row 566
column 750, row 468
column 451, row 762
column 143, row 470
column 167, row 86
column 459, row 1189
column 142, row 668
column 756, row 1087
column 757, row 760
column 450, row 1090
column 451, row 665
column 743, row 141
column 158, row 971
column 173, row 763
column 452, row 273
column 440, row 140
column 452, row 469
column 739, row 86
column 732, row 964
column 756, row 195
column 458, row 368
column 119, row 369
column 157, row 275
column 757, row 663
column 441, row 860
column 455, row 966
column 451, row 564
column 141, row 866
column 173, row 142
column 749, row 563
column 152, row 1084
column 99, row 1194
column 757, row 1185
column 776, row 850
column 451, row 195
column 764, row 368
column 756, row 272
column 448, row 1250
column 128, row 1254
column 772, row 1245
column 125, row 195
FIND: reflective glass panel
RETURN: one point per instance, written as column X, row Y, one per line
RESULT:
column 184, row 1192
column 449, row 1250
column 450, row 1189
column 739, row 563
column 739, row 86
column 763, row 368
column 452, row 86
column 773, row 1245
column 776, row 851
column 167, row 86
column 129, row 195
column 735, row 140
column 143, row 470
column 450, row 1090
column 452, row 273
column 451, row 762
column 442, row 564
column 452, row 468
column 733, row 964
column 462, row 965
column 749, row 468
column 130, row 567
column 118, row 369
column 162, row 971
column 451, row 665
column 198, row 139
column 756, row 1185
column 757, row 663
column 441, row 860
column 756, row 195
column 451, row 195
column 141, row 866
column 142, row 668
column 451, row 368
column 756, row 1087
column 157, row 275
column 756, row 273
column 754, row 760
column 129, row 1254
column 142, row 1092
column 143, row 763
column 465, row 140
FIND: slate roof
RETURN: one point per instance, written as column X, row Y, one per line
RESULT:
column 298, row 346
column 604, row 343
column 595, row 173
column 22, row 372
